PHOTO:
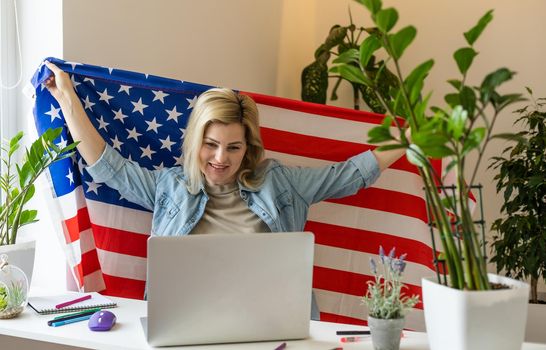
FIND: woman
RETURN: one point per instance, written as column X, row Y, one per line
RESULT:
column 225, row 185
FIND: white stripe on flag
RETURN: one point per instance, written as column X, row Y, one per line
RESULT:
column 93, row 282
column 313, row 125
column 121, row 218
column 122, row 265
column 370, row 219
column 352, row 306
column 87, row 241
column 69, row 204
column 359, row 262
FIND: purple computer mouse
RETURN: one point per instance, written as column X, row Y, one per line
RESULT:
column 102, row 321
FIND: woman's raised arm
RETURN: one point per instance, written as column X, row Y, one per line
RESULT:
column 60, row 86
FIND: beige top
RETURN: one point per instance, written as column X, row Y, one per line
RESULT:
column 226, row 212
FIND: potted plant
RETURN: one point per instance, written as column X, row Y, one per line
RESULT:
column 462, row 314
column 17, row 188
column 519, row 245
column 315, row 78
column 386, row 302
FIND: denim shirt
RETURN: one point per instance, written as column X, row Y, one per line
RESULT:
column 282, row 201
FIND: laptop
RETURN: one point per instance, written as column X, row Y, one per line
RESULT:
column 226, row 288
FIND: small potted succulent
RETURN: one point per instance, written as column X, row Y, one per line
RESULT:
column 387, row 304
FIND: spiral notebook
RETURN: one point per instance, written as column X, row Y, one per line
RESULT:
column 46, row 304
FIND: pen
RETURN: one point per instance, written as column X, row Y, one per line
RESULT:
column 351, row 339
column 77, row 313
column 352, row 332
column 69, row 317
column 72, row 320
column 70, row 302
column 281, row 347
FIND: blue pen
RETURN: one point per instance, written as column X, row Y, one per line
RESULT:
column 72, row 320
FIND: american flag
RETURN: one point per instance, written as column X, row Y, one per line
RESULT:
column 144, row 118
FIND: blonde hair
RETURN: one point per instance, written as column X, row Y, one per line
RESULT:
column 220, row 105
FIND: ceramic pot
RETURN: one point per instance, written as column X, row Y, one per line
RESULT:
column 386, row 333
column 475, row 320
column 21, row 255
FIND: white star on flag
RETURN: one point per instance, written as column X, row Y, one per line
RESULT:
column 54, row 113
column 116, row 143
column 139, row 106
column 70, row 176
column 153, row 125
column 167, row 143
column 124, row 88
column 179, row 160
column 92, row 81
column 159, row 167
column 159, row 95
column 173, row 114
column 62, row 143
column 147, row 152
column 80, row 165
column 104, row 96
column 88, row 104
column 133, row 134
column 93, row 187
column 74, row 81
column 102, row 123
column 191, row 102
column 118, row 115
column 74, row 64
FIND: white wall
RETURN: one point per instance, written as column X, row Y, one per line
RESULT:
column 228, row 43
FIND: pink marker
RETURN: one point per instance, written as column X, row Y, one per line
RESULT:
column 70, row 302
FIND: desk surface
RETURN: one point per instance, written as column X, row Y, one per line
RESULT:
column 128, row 333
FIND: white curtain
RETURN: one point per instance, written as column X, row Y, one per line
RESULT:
column 10, row 69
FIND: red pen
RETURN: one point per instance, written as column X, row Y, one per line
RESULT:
column 351, row 339
column 70, row 302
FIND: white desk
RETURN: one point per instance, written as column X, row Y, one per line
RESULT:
column 30, row 330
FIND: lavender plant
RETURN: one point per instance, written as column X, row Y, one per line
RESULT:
column 384, row 297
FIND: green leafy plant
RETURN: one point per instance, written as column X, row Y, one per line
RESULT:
column 315, row 77
column 384, row 297
column 519, row 247
column 3, row 298
column 18, row 187
column 453, row 131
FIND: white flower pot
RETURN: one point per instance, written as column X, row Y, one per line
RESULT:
column 21, row 255
column 475, row 320
column 536, row 319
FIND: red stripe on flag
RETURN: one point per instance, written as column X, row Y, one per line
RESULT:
column 77, row 224
column 327, row 317
column 352, row 283
column 387, row 201
column 90, row 262
column 320, row 148
column 123, row 287
column 317, row 109
column 120, row 241
column 369, row 242
column 78, row 272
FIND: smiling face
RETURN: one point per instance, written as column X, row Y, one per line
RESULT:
column 222, row 152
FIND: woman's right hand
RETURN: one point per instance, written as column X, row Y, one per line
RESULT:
column 61, row 88
column 59, row 84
